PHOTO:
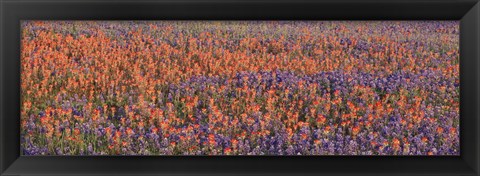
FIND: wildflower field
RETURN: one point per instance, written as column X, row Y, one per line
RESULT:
column 240, row 88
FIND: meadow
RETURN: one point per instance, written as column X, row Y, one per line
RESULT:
column 240, row 88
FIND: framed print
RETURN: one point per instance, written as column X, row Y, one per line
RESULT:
column 239, row 87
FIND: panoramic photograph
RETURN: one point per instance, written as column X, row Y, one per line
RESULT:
column 182, row 88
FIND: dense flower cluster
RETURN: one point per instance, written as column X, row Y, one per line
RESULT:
column 240, row 88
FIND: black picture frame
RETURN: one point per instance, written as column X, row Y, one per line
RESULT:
column 13, row 11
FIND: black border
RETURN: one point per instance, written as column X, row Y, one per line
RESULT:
column 468, row 11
